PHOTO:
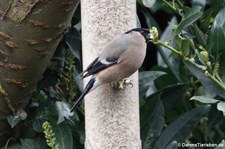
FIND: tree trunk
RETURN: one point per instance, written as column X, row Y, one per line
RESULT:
column 111, row 117
column 30, row 30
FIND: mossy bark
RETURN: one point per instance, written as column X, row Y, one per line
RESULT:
column 30, row 30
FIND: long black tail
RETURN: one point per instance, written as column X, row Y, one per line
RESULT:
column 86, row 90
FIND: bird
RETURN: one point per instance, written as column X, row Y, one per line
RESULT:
column 117, row 61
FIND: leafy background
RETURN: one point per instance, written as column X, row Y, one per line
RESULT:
column 181, row 81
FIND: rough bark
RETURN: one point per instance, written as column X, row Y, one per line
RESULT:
column 30, row 30
column 111, row 117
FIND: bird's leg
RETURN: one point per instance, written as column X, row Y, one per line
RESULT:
column 122, row 84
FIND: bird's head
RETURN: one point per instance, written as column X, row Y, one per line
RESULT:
column 144, row 32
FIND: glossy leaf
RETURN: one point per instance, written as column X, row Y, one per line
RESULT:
column 63, row 110
column 172, row 145
column 148, row 3
column 146, row 79
column 221, row 64
column 172, row 94
column 189, row 18
column 199, row 3
column 13, row 146
column 164, row 56
column 221, row 145
column 79, row 80
column 152, row 120
column 165, row 80
column 50, row 78
column 180, row 128
column 73, row 40
column 217, row 35
column 217, row 2
column 204, row 99
column 182, row 44
column 206, row 20
column 149, row 19
column 13, row 121
column 200, row 36
column 63, row 135
column 165, row 37
column 209, row 84
column 37, row 125
column 78, row 131
column 221, row 107
column 201, row 60
column 37, row 143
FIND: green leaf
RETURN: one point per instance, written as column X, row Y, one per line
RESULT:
column 63, row 135
column 165, row 80
column 37, row 125
column 221, row 64
column 152, row 120
column 200, row 36
column 50, row 78
column 150, row 21
column 13, row 146
column 221, row 107
column 146, row 79
column 172, row 145
column 180, row 128
column 139, row 2
column 171, row 95
column 73, row 40
column 13, row 121
column 165, row 37
column 221, row 145
column 206, row 82
column 182, row 45
column 189, row 18
column 217, row 2
column 37, row 143
column 200, row 58
column 204, row 99
column 148, row 3
column 63, row 110
column 199, row 3
column 217, row 35
column 164, row 57
column 78, row 131
column 78, row 79
column 207, row 19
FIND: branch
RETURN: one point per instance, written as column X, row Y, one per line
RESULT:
column 155, row 40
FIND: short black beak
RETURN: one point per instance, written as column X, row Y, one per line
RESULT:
column 149, row 37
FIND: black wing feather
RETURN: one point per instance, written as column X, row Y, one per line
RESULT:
column 86, row 90
column 89, row 66
column 97, row 66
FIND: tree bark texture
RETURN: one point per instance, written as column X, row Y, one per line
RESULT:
column 111, row 117
column 30, row 30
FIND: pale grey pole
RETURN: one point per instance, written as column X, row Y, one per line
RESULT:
column 111, row 117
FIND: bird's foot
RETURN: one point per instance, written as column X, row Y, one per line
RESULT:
column 122, row 84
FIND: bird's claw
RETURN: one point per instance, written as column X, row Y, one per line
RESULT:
column 122, row 84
